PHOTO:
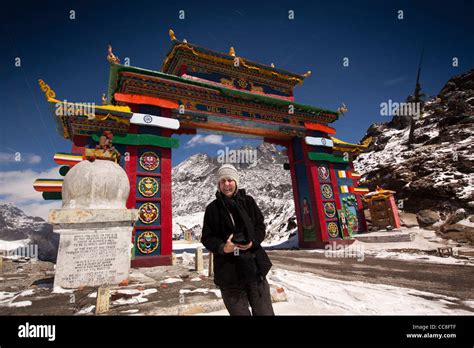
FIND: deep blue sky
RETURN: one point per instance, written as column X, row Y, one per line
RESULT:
column 70, row 55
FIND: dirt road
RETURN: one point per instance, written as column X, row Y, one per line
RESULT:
column 450, row 280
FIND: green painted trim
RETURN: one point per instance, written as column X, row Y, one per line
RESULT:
column 63, row 170
column 315, row 156
column 49, row 196
column 142, row 139
column 116, row 68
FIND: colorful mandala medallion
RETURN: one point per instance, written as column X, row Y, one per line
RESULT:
column 147, row 242
column 149, row 161
column 326, row 191
column 148, row 187
column 329, row 209
column 323, row 172
column 148, row 213
column 333, row 230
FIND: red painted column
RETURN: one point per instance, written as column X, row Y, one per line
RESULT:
column 296, row 197
column 166, row 204
column 394, row 211
column 315, row 193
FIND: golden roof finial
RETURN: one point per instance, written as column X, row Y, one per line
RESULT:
column 342, row 109
column 232, row 52
column 308, row 73
column 111, row 57
column 171, row 34
column 48, row 92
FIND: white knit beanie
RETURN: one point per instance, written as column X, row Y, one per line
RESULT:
column 227, row 171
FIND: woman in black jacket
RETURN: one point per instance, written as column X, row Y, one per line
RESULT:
column 233, row 230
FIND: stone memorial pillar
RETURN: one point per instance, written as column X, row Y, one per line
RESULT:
column 94, row 225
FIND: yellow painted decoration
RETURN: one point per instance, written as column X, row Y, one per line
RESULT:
column 340, row 142
column 230, row 62
column 48, row 92
column 112, row 117
column 101, row 107
column 171, row 34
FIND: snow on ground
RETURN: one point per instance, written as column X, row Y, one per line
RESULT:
column 7, row 298
column 28, row 292
column 60, row 290
column 217, row 292
column 130, row 301
column 183, row 245
column 135, row 297
column 187, row 258
column 424, row 240
column 309, row 294
column 130, row 311
column 20, row 304
column 171, row 280
column 319, row 295
column 5, row 295
column 419, row 258
column 86, row 310
column 284, row 243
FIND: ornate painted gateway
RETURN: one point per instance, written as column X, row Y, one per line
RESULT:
column 223, row 93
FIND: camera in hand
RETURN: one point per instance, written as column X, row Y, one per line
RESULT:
column 240, row 237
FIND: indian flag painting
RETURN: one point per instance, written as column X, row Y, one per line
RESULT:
column 344, row 189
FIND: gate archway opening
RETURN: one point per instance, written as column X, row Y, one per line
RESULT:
column 198, row 88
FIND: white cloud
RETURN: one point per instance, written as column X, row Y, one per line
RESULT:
column 40, row 209
column 11, row 157
column 211, row 139
column 17, row 187
column 35, row 159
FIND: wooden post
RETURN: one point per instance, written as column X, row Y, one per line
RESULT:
column 211, row 264
column 103, row 300
column 199, row 260
column 173, row 259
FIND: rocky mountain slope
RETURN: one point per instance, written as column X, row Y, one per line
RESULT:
column 15, row 225
column 436, row 170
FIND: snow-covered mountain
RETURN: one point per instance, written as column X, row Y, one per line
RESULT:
column 19, row 229
column 194, row 187
column 436, row 170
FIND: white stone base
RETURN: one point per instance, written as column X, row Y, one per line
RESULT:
column 93, row 256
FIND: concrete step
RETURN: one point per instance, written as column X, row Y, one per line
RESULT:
column 385, row 237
